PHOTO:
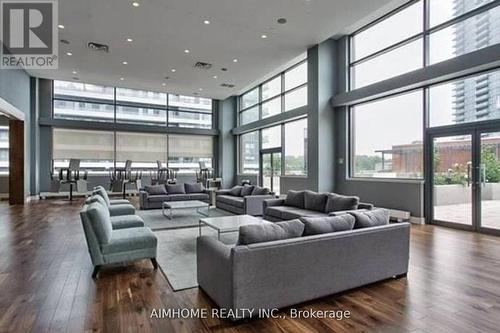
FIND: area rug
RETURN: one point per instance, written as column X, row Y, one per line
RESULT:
column 186, row 218
column 177, row 243
column 177, row 254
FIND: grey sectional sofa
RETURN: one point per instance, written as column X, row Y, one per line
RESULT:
column 290, row 271
column 243, row 200
column 298, row 204
column 151, row 197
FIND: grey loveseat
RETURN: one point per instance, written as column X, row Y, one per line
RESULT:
column 151, row 197
column 299, row 204
column 243, row 200
column 295, row 270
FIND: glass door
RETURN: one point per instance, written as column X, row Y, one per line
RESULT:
column 489, row 181
column 271, row 170
column 452, row 186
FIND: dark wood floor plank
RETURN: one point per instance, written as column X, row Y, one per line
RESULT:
column 45, row 281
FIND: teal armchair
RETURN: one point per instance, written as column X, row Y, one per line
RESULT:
column 108, row 246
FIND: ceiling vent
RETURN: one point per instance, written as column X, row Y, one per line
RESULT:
column 202, row 65
column 227, row 85
column 98, row 47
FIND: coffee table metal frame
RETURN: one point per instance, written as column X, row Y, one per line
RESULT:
column 188, row 204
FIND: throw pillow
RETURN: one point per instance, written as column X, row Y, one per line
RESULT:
column 236, row 191
column 324, row 225
column 295, row 199
column 155, row 189
column 194, row 188
column 315, row 201
column 268, row 231
column 246, row 190
column 336, row 202
column 175, row 189
column 257, row 190
column 370, row 218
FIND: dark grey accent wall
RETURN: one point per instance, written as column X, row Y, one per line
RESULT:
column 45, row 135
column 226, row 145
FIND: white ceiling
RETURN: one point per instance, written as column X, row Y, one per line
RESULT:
column 162, row 29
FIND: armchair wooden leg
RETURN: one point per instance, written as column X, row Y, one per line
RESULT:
column 155, row 263
column 97, row 268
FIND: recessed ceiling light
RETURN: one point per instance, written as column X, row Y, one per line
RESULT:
column 215, row 76
column 186, row 51
column 60, row 26
column 206, row 22
column 74, row 72
column 164, row 84
column 135, row 4
column 200, row 89
column 121, row 79
column 129, row 39
column 69, row 53
column 235, row 60
column 263, row 36
column 173, row 70
column 124, row 63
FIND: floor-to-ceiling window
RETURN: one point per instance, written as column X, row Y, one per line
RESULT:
column 279, row 149
column 4, row 150
column 282, row 93
column 101, row 150
column 458, row 120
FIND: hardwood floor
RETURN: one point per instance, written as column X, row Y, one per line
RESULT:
column 45, row 285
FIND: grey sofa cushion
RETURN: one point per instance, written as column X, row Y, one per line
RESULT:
column 337, row 202
column 175, row 189
column 98, row 216
column 257, row 190
column 323, row 225
column 295, row 213
column 295, row 199
column 315, row 201
column 266, row 231
column 230, row 200
column 246, row 190
column 276, row 211
column 130, row 239
column 126, row 221
column 158, row 198
column 198, row 196
column 236, row 190
column 370, row 218
column 194, row 188
column 178, row 197
column 155, row 189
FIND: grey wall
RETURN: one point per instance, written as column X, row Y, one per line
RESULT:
column 15, row 89
column 321, row 138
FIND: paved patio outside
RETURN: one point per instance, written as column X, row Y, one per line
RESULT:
column 461, row 213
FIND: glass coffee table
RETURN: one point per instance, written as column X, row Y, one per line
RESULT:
column 191, row 204
column 224, row 224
